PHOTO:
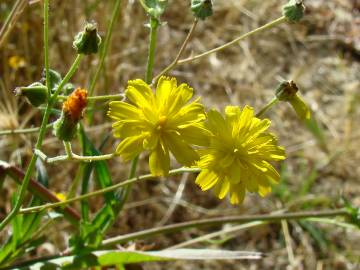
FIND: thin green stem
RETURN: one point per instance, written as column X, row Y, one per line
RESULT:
column 225, row 231
column 242, row 37
column 46, row 44
column 22, row 130
column 220, row 221
column 104, row 50
column 42, row 132
column 97, row 98
column 182, row 48
column 104, row 190
column 105, row 47
column 66, row 79
column 154, row 24
column 267, row 107
column 333, row 222
column 71, row 156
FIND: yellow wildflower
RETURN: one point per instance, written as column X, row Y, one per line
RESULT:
column 161, row 122
column 16, row 62
column 61, row 197
column 239, row 154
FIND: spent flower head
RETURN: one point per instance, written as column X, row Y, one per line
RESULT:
column 239, row 154
column 161, row 122
column 288, row 91
column 66, row 126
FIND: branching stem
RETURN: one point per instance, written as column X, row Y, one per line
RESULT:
column 242, row 37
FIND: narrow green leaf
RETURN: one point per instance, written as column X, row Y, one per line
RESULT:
column 112, row 257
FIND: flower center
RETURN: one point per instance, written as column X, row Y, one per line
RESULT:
column 161, row 122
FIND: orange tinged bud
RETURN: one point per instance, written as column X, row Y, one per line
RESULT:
column 75, row 104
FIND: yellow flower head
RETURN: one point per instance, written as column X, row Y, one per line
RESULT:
column 16, row 62
column 239, row 154
column 161, row 122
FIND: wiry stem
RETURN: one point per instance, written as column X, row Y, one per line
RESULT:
column 46, row 44
column 71, row 156
column 267, row 107
column 104, row 190
column 182, row 48
column 22, row 130
column 219, row 221
column 222, row 47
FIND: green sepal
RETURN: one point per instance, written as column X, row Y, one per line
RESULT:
column 155, row 8
column 202, row 8
column 65, row 128
column 36, row 93
column 294, row 10
column 88, row 41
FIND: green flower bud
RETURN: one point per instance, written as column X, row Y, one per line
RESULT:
column 287, row 91
column 55, row 79
column 155, row 8
column 294, row 10
column 36, row 93
column 202, row 8
column 88, row 41
column 66, row 126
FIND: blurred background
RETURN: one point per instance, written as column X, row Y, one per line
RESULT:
column 321, row 54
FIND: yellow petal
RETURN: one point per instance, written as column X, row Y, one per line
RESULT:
column 264, row 190
column 159, row 161
column 182, row 151
column 139, row 93
column 130, row 147
column 151, row 141
column 245, row 120
column 164, row 90
column 195, row 134
column 222, row 188
column 189, row 114
column 216, row 123
column 206, row 179
column 237, row 193
column 120, row 110
column 126, row 128
column 181, row 96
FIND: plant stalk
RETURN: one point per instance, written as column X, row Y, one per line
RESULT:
column 242, row 37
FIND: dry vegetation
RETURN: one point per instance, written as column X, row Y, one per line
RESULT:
column 321, row 54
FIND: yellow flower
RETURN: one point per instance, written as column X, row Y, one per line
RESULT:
column 61, row 197
column 161, row 123
column 16, row 62
column 238, row 156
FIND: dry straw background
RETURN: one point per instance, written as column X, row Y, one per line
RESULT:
column 321, row 54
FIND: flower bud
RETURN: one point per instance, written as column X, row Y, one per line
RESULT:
column 66, row 126
column 36, row 93
column 54, row 79
column 155, row 8
column 202, row 8
column 294, row 10
column 287, row 91
column 88, row 41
